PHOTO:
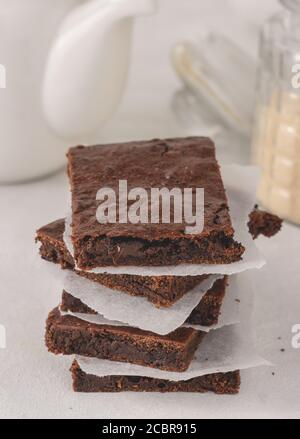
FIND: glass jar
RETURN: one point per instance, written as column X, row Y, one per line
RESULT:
column 276, row 141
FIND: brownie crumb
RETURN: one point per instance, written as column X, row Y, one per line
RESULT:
column 263, row 223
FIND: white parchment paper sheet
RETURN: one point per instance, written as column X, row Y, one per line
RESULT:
column 133, row 310
column 223, row 350
column 241, row 184
column 230, row 311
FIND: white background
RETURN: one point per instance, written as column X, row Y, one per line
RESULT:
column 34, row 383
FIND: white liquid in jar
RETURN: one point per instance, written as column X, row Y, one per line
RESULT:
column 277, row 151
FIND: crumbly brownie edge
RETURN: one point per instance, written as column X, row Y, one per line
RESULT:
column 162, row 291
column 69, row 335
column 209, row 309
column 70, row 303
column 53, row 248
column 118, row 251
column 220, row 383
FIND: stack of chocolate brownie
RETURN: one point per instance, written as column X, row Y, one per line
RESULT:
column 97, row 248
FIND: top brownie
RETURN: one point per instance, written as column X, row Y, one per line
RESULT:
column 170, row 163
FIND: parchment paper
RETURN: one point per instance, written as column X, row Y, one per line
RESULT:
column 223, row 350
column 136, row 311
column 230, row 311
column 240, row 183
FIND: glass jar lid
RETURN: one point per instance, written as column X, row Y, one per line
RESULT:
column 292, row 5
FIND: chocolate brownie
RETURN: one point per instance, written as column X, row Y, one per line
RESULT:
column 205, row 314
column 219, row 383
column 170, row 163
column 162, row 291
column 53, row 248
column 68, row 335
column 263, row 223
column 208, row 311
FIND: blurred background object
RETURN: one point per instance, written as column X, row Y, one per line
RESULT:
column 34, row 145
column 276, row 142
column 196, row 119
column 218, row 71
column 222, row 75
column 220, row 81
column 66, row 66
column 220, row 90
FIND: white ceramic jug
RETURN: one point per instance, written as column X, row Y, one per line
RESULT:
column 63, row 65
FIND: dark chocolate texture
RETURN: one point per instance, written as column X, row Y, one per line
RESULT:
column 219, row 383
column 68, row 335
column 169, row 163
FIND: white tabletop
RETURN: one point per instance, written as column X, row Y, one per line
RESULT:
column 34, row 383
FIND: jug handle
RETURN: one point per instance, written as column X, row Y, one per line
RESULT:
column 87, row 66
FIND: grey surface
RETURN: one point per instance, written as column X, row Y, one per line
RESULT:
column 34, row 383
